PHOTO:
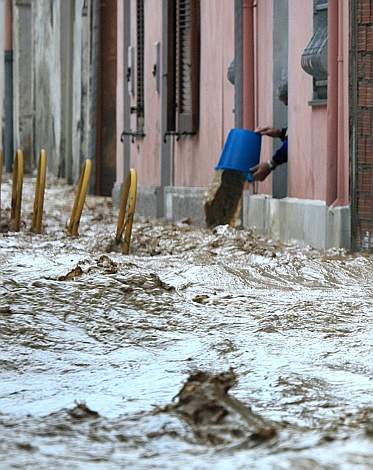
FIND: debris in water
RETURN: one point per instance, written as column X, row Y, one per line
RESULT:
column 71, row 275
column 201, row 299
column 217, row 418
column 81, row 411
column 110, row 266
column 5, row 309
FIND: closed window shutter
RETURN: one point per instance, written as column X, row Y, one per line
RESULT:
column 187, row 65
column 140, row 64
column 171, row 66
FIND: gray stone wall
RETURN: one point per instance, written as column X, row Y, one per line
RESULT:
column 47, row 76
column 84, row 72
column 23, row 80
column 55, row 44
column 280, row 72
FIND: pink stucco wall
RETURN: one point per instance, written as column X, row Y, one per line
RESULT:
column 307, row 125
column 195, row 157
column 145, row 152
column 120, row 91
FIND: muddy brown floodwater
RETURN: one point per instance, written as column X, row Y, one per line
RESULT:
column 201, row 349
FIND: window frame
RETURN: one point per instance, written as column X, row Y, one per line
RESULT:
column 183, row 87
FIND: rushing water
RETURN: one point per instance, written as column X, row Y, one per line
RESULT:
column 92, row 359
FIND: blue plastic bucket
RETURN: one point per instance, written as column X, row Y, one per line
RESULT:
column 241, row 151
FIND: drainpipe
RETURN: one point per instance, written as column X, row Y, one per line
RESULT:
column 342, row 172
column 238, row 45
column 8, row 53
column 248, row 111
column 332, row 108
column 353, row 122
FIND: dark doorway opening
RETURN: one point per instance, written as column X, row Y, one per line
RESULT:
column 280, row 74
column 106, row 99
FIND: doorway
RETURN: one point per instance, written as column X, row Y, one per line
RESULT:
column 106, row 99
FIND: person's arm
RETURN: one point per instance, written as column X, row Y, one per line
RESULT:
column 262, row 170
column 270, row 131
column 281, row 155
column 273, row 132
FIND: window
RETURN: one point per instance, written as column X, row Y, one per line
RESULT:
column 183, row 66
column 315, row 56
column 140, row 65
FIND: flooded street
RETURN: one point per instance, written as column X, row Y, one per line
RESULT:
column 96, row 346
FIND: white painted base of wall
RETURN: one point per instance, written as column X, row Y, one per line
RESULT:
column 305, row 221
column 149, row 200
column 185, row 202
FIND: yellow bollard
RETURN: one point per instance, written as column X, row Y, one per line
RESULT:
column 125, row 223
column 80, row 198
column 17, row 184
column 37, row 214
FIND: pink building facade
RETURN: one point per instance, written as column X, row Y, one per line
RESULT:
column 316, row 209
column 176, row 55
column 164, row 157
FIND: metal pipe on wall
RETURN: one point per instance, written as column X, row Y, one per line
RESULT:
column 8, row 101
column 355, row 239
column 248, row 111
column 332, row 107
column 342, row 161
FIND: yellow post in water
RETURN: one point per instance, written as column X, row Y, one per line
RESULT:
column 80, row 196
column 17, row 184
column 125, row 223
column 37, row 214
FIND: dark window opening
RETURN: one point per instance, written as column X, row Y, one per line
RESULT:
column 183, row 66
column 140, row 65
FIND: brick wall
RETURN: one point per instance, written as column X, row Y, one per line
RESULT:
column 364, row 180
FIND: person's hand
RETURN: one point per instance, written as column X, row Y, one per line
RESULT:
column 270, row 131
column 260, row 171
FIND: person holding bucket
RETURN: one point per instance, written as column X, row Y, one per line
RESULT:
column 262, row 170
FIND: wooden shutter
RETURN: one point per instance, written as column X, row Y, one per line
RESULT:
column 140, row 64
column 171, row 66
column 187, row 65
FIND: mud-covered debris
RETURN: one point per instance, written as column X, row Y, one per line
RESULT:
column 81, row 412
column 163, row 285
column 149, row 281
column 5, row 309
column 26, row 446
column 215, row 417
column 71, row 275
column 201, row 299
column 110, row 266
